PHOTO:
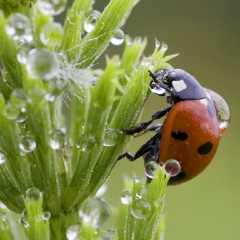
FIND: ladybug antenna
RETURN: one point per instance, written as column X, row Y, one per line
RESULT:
column 152, row 76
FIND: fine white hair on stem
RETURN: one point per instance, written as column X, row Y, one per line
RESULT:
column 68, row 74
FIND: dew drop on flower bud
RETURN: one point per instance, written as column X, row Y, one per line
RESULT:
column 111, row 137
column 172, row 167
column 118, row 37
column 72, row 232
column 41, row 64
column 150, row 167
column 2, row 157
column 46, row 215
column 126, row 197
column 51, row 34
column 52, row 7
column 27, row 144
column 140, row 209
column 90, row 21
column 57, row 139
column 33, row 194
column 94, row 212
column 18, row 27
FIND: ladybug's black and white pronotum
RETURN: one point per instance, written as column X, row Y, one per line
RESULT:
column 194, row 123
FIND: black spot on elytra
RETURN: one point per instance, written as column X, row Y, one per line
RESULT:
column 211, row 109
column 178, row 177
column 205, row 148
column 179, row 135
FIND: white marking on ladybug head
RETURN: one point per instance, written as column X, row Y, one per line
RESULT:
column 204, row 102
column 179, row 85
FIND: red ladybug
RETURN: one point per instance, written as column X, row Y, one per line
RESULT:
column 190, row 133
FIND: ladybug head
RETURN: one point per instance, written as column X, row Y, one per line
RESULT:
column 177, row 82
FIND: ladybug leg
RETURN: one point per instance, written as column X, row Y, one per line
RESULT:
column 141, row 151
column 146, row 149
column 140, row 127
column 153, row 127
column 161, row 113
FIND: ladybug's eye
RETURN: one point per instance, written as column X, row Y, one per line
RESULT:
column 156, row 89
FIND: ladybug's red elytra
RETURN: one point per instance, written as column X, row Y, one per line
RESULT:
column 194, row 123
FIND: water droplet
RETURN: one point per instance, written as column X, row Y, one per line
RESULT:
column 111, row 137
column 24, row 222
column 101, row 190
column 136, row 180
column 3, row 213
column 49, row 97
column 3, row 216
column 38, row 218
column 148, row 62
column 164, row 47
column 172, row 167
column 41, row 64
column 94, row 212
column 157, row 44
column 23, row 52
column 140, row 209
column 2, row 206
column 18, row 27
column 156, row 89
column 27, row 144
column 46, row 215
column 110, row 234
column 54, row 91
column 11, row 111
column 150, row 167
column 28, row 37
column 24, row 213
column 19, row 98
column 33, row 194
column 118, row 37
column 223, row 125
column 222, row 109
column 52, row 34
column 57, row 139
column 52, row 7
column 126, row 197
column 86, row 143
column 22, row 116
column 2, row 157
column 159, row 202
column 91, row 20
column 142, row 192
column 72, row 232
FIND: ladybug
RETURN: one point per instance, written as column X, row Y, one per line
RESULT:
column 190, row 133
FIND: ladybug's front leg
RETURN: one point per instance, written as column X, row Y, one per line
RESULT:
column 140, row 127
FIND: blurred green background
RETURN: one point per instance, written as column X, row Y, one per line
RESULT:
column 207, row 36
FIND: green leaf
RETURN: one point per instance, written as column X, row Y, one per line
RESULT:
column 5, row 227
column 93, row 45
column 13, row 6
column 92, row 135
column 14, row 73
column 149, row 227
column 37, row 223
